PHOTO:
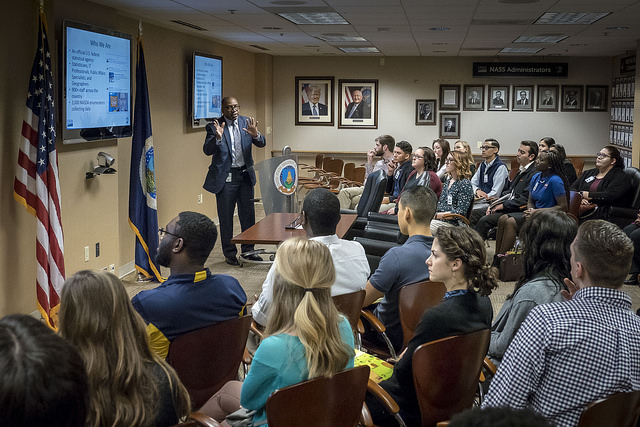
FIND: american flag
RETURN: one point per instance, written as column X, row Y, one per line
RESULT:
column 36, row 185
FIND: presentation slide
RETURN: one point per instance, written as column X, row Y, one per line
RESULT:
column 207, row 87
column 98, row 80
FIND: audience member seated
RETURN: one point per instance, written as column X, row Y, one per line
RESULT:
column 43, row 380
column 569, row 170
column 319, row 217
column 129, row 385
column 463, row 147
column 633, row 231
column 191, row 298
column 402, row 265
column 441, row 149
column 546, row 237
column 491, row 176
column 571, row 353
column 515, row 194
column 457, row 192
column 423, row 163
column 548, row 190
column 398, row 172
column 604, row 186
column 305, row 336
column 546, row 143
column 499, row 417
column 458, row 258
column 349, row 197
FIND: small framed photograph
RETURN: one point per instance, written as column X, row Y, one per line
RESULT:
column 571, row 98
column 314, row 101
column 449, row 97
column 547, row 98
column 473, row 98
column 425, row 112
column 449, row 125
column 596, row 98
column 498, row 98
column 522, row 98
column 358, row 104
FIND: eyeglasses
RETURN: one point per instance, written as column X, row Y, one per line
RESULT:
column 162, row 232
column 415, row 156
column 486, row 147
column 231, row 107
column 601, row 155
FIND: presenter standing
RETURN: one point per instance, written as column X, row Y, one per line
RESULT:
column 231, row 176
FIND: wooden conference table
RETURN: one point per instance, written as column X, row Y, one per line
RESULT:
column 271, row 229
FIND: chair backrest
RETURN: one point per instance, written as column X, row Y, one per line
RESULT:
column 205, row 359
column 413, row 300
column 358, row 174
column 445, row 374
column 319, row 160
column 620, row 410
column 333, row 165
column 578, row 165
column 635, row 187
column 373, row 193
column 350, row 305
column 321, row 402
column 198, row 419
column 575, row 198
column 348, row 170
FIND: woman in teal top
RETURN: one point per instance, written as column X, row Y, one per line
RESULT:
column 305, row 336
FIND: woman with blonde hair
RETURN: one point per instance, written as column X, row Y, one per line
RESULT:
column 464, row 148
column 457, row 191
column 129, row 385
column 305, row 336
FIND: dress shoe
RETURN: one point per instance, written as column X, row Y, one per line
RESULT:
column 632, row 281
column 252, row 258
column 232, row 261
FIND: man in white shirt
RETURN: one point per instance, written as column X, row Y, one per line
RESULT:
column 350, row 197
column 319, row 217
column 489, row 179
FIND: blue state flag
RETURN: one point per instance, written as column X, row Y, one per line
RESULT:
column 143, row 213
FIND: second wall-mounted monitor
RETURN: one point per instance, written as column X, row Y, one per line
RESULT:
column 206, row 89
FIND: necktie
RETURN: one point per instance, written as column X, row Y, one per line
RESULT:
column 315, row 110
column 353, row 109
column 237, row 145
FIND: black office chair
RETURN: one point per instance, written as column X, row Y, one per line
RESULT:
column 625, row 216
column 370, row 201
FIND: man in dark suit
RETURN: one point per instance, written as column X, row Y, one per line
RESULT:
column 473, row 99
column 231, row 176
column 524, row 99
column 497, row 98
column 450, row 126
column 357, row 109
column 548, row 99
column 314, row 107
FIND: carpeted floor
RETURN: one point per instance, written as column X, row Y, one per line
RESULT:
column 251, row 276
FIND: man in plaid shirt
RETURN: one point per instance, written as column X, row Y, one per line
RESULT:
column 569, row 354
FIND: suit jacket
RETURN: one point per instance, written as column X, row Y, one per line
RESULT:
column 547, row 101
column 363, row 111
column 474, row 100
column 611, row 191
column 522, row 102
column 221, row 154
column 322, row 109
column 498, row 101
column 520, row 187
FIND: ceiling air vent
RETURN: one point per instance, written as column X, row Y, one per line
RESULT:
column 187, row 24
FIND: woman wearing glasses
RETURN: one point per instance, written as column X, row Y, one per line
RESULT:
column 603, row 186
column 457, row 191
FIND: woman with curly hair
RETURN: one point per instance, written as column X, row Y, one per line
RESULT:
column 305, row 336
column 129, row 385
column 458, row 259
column 457, row 191
column 548, row 189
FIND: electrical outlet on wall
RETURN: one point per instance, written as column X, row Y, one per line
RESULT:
column 86, row 254
column 112, row 268
column 200, row 198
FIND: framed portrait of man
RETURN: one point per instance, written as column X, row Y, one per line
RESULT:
column 596, row 98
column 358, row 104
column 449, row 125
column 547, row 98
column 425, row 112
column 522, row 98
column 473, row 98
column 498, row 98
column 314, row 101
column 449, row 97
column 571, row 98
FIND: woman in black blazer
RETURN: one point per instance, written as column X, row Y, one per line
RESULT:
column 604, row 186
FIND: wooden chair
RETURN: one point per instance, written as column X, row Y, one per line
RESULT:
column 198, row 419
column 445, row 374
column 620, row 410
column 578, row 165
column 575, row 198
column 462, row 218
column 350, row 305
column 331, row 171
column 413, row 300
column 320, row 402
column 205, row 359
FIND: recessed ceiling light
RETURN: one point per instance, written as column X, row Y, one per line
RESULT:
column 439, row 28
column 369, row 49
column 543, row 38
column 341, row 38
column 570, row 18
column 521, row 50
column 314, row 18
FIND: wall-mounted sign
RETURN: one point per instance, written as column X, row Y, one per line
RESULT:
column 520, row 69
column 628, row 65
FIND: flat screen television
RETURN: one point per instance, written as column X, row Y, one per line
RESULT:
column 97, row 83
column 206, row 88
